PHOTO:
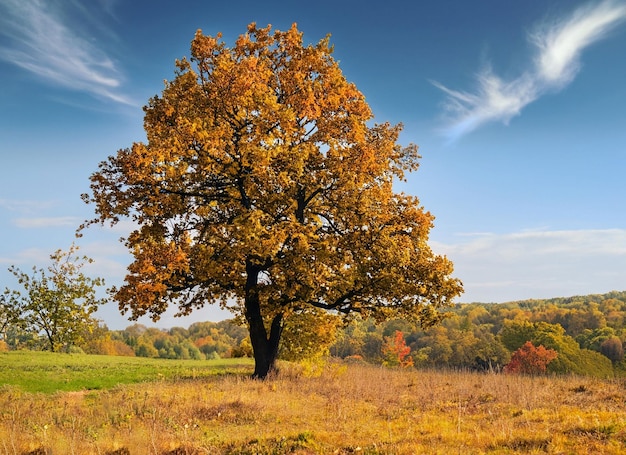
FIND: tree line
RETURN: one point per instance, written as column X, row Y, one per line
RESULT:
column 581, row 335
column 586, row 333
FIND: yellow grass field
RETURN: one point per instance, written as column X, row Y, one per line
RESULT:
column 346, row 409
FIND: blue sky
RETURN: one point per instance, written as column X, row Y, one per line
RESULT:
column 519, row 109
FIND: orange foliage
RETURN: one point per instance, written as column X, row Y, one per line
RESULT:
column 207, row 340
column 530, row 359
column 107, row 346
column 265, row 186
column 396, row 352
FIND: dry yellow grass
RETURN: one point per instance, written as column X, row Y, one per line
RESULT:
column 347, row 409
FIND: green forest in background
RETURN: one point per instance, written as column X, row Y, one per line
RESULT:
column 587, row 332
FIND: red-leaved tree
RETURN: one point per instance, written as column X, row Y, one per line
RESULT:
column 530, row 359
column 396, row 352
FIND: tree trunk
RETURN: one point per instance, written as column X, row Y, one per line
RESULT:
column 265, row 348
column 51, row 341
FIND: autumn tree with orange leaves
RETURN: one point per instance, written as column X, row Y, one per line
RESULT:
column 264, row 187
column 396, row 352
column 530, row 359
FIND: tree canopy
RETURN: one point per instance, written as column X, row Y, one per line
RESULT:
column 57, row 303
column 265, row 187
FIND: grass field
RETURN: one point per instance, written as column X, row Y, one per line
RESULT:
column 184, row 407
column 49, row 372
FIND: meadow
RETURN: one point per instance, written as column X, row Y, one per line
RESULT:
column 47, row 372
column 107, row 405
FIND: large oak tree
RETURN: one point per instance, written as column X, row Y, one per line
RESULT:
column 263, row 186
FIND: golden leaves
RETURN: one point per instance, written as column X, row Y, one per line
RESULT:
column 263, row 154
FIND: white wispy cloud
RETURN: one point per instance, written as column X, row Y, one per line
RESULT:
column 538, row 263
column 25, row 258
column 42, row 42
column 46, row 222
column 558, row 46
column 24, row 206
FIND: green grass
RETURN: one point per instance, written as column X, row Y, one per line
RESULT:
column 49, row 372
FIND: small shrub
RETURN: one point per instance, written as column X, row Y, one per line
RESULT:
column 354, row 359
column 74, row 350
column 122, row 451
column 243, row 350
column 213, row 356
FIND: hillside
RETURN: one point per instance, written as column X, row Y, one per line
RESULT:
column 587, row 332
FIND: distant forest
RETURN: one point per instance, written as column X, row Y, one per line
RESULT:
column 587, row 332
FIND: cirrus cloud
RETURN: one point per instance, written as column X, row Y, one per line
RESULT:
column 42, row 43
column 46, row 222
column 558, row 46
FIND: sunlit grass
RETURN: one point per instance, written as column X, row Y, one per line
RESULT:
column 347, row 409
column 49, row 372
